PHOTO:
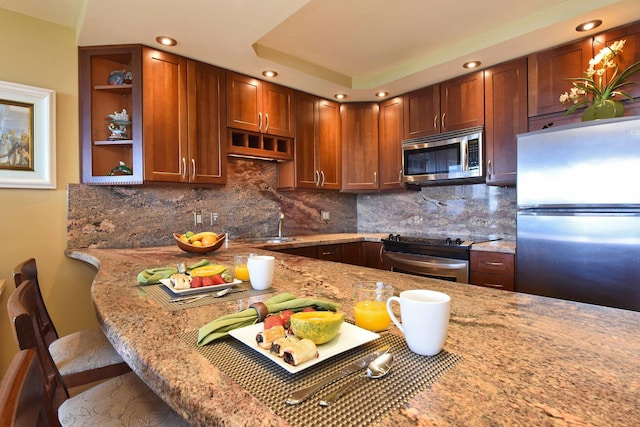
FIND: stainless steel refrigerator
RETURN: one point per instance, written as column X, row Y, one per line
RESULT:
column 578, row 218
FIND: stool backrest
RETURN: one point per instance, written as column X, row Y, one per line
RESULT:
column 23, row 402
column 29, row 270
column 22, row 307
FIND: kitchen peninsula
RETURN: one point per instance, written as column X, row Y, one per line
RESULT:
column 525, row 360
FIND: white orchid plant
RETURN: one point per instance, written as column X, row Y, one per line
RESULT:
column 594, row 82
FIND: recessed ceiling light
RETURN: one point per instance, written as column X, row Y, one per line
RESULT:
column 589, row 25
column 166, row 41
column 269, row 73
column 381, row 94
column 471, row 64
column 340, row 96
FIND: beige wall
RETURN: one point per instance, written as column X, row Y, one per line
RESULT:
column 33, row 222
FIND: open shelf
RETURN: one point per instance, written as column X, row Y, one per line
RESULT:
column 260, row 146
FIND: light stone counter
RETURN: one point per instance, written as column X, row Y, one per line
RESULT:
column 527, row 360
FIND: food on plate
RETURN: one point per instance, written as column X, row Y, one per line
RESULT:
column 318, row 326
column 273, row 320
column 300, row 352
column 281, row 344
column 208, row 270
column 180, row 281
column 268, row 336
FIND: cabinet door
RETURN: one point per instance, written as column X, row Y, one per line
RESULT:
column 328, row 144
column 244, row 102
column 98, row 98
column 359, row 146
column 306, row 118
column 462, row 102
column 493, row 269
column 207, row 129
column 277, row 110
column 165, row 116
column 630, row 53
column 422, row 112
column 506, row 117
column 548, row 73
column 390, row 145
column 372, row 255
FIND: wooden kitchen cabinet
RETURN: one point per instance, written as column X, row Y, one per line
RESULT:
column 318, row 141
column 98, row 98
column 259, row 106
column 493, row 269
column 390, row 144
column 548, row 72
column 506, row 117
column 360, row 167
column 183, row 102
column 452, row 105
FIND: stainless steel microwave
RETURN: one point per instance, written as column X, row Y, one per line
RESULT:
column 449, row 157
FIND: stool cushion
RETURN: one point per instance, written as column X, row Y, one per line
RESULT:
column 121, row 401
column 83, row 350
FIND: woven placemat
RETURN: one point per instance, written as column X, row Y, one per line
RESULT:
column 162, row 295
column 368, row 402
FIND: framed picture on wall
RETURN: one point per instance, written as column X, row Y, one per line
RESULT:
column 27, row 137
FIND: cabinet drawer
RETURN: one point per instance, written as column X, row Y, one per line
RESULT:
column 330, row 252
column 492, row 262
column 497, row 281
column 305, row 251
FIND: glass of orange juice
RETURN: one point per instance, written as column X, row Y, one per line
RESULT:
column 240, row 267
column 370, row 305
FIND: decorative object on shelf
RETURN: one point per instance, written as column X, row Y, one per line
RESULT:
column 594, row 84
column 121, row 169
column 118, row 125
column 120, row 77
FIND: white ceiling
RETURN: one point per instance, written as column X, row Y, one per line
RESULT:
column 357, row 47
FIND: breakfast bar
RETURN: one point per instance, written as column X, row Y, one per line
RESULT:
column 519, row 359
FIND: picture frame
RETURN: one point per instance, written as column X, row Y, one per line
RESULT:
column 27, row 137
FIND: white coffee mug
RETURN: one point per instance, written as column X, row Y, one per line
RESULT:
column 261, row 269
column 425, row 319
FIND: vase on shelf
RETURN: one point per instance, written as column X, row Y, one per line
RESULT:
column 604, row 109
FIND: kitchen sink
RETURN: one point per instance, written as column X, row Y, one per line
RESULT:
column 268, row 240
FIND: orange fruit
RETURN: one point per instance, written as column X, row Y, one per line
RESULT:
column 208, row 240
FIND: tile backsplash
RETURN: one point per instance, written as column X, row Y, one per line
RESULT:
column 139, row 216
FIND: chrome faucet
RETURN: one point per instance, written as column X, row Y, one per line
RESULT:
column 280, row 223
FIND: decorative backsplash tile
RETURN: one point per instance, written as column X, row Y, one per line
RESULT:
column 139, row 216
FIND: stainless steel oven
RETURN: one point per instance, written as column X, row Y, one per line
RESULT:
column 440, row 258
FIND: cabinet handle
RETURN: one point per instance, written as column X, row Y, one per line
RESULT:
column 259, row 121
column 494, row 264
column 442, row 122
column 435, row 122
column 489, row 169
column 316, row 178
column 491, row 285
column 184, row 168
column 193, row 168
column 266, row 116
column 322, row 175
column 400, row 175
column 375, row 177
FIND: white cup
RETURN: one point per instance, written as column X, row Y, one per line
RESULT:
column 261, row 269
column 425, row 319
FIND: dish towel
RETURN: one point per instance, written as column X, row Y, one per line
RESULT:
column 152, row 276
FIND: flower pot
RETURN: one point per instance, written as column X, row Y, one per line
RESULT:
column 606, row 109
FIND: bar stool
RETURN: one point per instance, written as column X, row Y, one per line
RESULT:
column 82, row 357
column 123, row 400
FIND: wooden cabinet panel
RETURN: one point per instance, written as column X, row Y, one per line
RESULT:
column 98, row 98
column 422, row 112
column 372, row 255
column 328, row 145
column 258, row 106
column 506, row 117
column 330, row 252
column 165, row 116
column 493, row 269
column 306, row 251
column 352, row 253
column 206, row 127
column 390, row 144
column 305, row 141
column 548, row 71
column 630, row 53
column 359, row 146
column 462, row 102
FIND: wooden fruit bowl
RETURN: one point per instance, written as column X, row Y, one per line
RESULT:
column 199, row 249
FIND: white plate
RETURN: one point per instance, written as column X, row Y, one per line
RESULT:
column 169, row 285
column 350, row 336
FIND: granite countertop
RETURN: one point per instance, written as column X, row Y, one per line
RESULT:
column 527, row 360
